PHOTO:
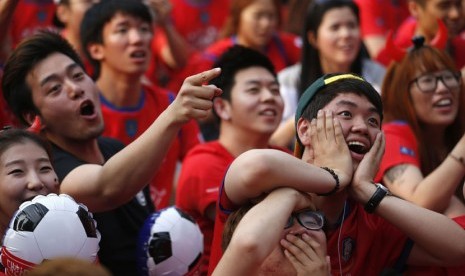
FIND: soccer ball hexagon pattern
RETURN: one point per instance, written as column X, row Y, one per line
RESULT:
column 170, row 243
column 48, row 227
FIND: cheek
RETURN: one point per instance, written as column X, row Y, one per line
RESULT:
column 14, row 189
column 51, row 183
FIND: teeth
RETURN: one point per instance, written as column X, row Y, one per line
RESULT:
column 357, row 147
column 268, row 112
column 355, row 143
column 444, row 102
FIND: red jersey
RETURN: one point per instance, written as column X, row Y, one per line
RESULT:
column 126, row 124
column 368, row 244
column 283, row 50
column 202, row 171
column 381, row 16
column 406, row 32
column 30, row 16
column 198, row 23
column 401, row 147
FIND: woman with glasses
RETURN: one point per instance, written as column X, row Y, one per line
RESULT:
column 424, row 161
column 257, row 238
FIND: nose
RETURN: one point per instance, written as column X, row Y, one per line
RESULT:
column 267, row 21
column 441, row 86
column 269, row 95
column 454, row 12
column 34, row 183
column 74, row 90
column 135, row 36
column 360, row 126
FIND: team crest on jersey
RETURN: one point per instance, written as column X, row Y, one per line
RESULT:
column 348, row 246
column 141, row 198
column 131, row 128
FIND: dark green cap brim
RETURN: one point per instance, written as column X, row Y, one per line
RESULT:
column 307, row 96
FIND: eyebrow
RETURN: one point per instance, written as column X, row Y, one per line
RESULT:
column 55, row 76
column 354, row 105
column 259, row 82
column 14, row 162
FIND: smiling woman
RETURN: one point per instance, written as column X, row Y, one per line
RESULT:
column 25, row 171
column 424, row 132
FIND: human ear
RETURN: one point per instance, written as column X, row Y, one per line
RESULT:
column 303, row 131
column 222, row 108
column 311, row 37
column 29, row 117
column 62, row 13
column 95, row 51
column 413, row 8
column 34, row 121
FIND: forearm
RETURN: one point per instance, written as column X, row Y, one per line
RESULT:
column 438, row 235
column 177, row 51
column 259, row 171
column 284, row 135
column 258, row 233
column 434, row 192
column 137, row 163
column 126, row 173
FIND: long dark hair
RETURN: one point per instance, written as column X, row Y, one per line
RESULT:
column 310, row 58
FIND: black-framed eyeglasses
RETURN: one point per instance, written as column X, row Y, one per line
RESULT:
column 311, row 220
column 429, row 82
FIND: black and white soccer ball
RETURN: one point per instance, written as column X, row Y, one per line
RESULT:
column 170, row 243
column 49, row 227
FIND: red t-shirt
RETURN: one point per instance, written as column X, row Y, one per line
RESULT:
column 283, row 50
column 30, row 16
column 202, row 171
column 401, row 147
column 126, row 124
column 368, row 244
column 381, row 16
column 199, row 24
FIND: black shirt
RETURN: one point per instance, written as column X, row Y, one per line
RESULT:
column 119, row 227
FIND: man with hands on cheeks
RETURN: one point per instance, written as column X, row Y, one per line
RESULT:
column 338, row 163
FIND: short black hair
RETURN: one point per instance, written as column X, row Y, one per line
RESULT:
column 235, row 59
column 26, row 56
column 95, row 18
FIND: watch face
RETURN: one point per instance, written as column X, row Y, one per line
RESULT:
column 384, row 188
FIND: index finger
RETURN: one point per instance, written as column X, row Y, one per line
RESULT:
column 204, row 77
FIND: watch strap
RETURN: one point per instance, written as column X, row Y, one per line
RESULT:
column 376, row 198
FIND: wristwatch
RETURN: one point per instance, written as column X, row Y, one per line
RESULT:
column 376, row 198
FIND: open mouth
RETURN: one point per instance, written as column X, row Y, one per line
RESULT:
column 138, row 54
column 268, row 112
column 357, row 147
column 87, row 108
column 443, row 103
